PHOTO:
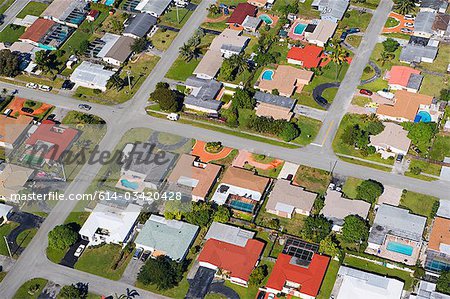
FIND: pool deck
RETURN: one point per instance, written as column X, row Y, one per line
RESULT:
column 294, row 36
column 395, row 256
column 133, row 180
column 273, row 17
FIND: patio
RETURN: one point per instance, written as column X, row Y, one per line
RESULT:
column 199, row 150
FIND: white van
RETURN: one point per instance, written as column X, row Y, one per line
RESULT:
column 173, row 116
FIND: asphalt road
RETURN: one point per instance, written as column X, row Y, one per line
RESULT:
column 12, row 12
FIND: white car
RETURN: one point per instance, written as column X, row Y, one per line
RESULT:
column 409, row 17
column 79, row 250
column 44, row 88
column 409, row 24
column 173, row 116
column 32, row 85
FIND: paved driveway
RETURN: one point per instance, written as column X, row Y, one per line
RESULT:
column 26, row 221
column 70, row 259
column 198, row 287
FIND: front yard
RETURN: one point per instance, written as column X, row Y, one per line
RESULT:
column 11, row 33
column 32, row 8
column 419, row 204
column 312, row 179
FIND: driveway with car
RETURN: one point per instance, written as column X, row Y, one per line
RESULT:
column 70, row 259
column 26, row 221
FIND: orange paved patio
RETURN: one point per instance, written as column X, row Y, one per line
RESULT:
column 17, row 104
column 399, row 27
column 199, row 151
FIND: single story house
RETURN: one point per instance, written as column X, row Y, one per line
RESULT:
column 204, row 95
column 332, row 10
column 286, row 200
column 274, row 106
column 66, row 12
column 286, row 79
column 49, row 142
column 241, row 11
column 321, row 33
column 404, row 77
column 427, row 290
column 405, row 107
column 229, row 234
column 153, row 7
column 99, row 47
column 419, row 49
column 5, row 211
column 138, row 25
column 392, row 141
column 438, row 251
column 309, row 56
column 260, row 3
column 423, row 24
column 171, row 238
column 240, row 189
column 110, row 224
column 13, row 179
column 352, row 283
column 11, row 129
column 433, row 5
column 251, row 23
column 396, row 234
column 46, row 34
column 143, row 169
column 120, row 51
column 337, row 207
column 193, row 177
column 235, row 263
column 91, row 75
column 441, row 25
column 391, row 196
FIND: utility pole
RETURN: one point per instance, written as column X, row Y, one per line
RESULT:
column 178, row 17
column 129, row 81
column 7, row 246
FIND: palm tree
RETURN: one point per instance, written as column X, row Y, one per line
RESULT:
column 405, row 6
column 130, row 294
column 187, row 52
column 385, row 57
column 338, row 56
column 239, row 62
column 214, row 9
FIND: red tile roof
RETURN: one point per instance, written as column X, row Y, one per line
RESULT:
column 60, row 136
column 241, row 11
column 237, row 260
column 399, row 75
column 310, row 279
column 309, row 55
column 37, row 30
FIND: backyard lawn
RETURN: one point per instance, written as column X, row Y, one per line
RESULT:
column 312, row 179
column 329, row 280
column 350, row 186
column 417, row 203
column 32, row 8
column 11, row 33
column 23, row 291
column 162, row 39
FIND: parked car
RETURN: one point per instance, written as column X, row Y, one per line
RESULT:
column 32, row 85
column 145, row 255
column 366, row 92
column 321, row 100
column 261, row 295
column 410, row 25
column 67, row 85
column 406, row 30
column 79, row 250
column 343, row 36
column 137, row 253
column 84, row 107
column 44, row 88
column 399, row 158
column 409, row 17
column 173, row 116
column 353, row 30
column 51, row 116
column 27, row 110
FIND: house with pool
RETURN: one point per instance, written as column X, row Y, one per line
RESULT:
column 321, row 33
column 392, row 141
column 396, row 234
column 241, row 189
column 285, row 78
column 438, row 251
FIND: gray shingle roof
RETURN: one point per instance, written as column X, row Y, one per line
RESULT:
column 415, row 53
column 275, row 100
column 398, row 222
column 434, row 4
column 229, row 234
column 251, row 22
column 414, row 81
column 424, row 22
column 140, row 24
column 206, row 91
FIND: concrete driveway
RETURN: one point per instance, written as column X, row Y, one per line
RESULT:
column 69, row 260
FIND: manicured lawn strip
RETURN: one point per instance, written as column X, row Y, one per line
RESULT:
column 169, row 18
column 426, row 167
column 356, row 19
column 181, row 70
column 330, row 94
column 309, row 128
column 2, row 275
column 329, row 280
column 354, row 40
column 55, row 255
column 33, row 9
column 5, row 230
column 431, row 84
column 381, row 270
column 367, row 164
column 349, row 188
column 420, row 177
column 10, row 34
column 418, row 203
column 312, row 179
column 163, row 38
column 25, row 237
column 440, row 148
column 368, row 3
column 5, row 5
column 360, row 101
column 22, row 292
column 391, row 22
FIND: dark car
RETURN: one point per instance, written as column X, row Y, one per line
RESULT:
column 67, row 85
column 353, row 30
column 344, row 35
column 51, row 116
column 322, row 101
column 84, row 107
column 261, row 295
column 399, row 158
column 145, row 256
column 27, row 110
column 366, row 92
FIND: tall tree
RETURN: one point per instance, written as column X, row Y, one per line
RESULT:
column 161, row 272
column 316, row 228
column 405, row 6
column 355, row 230
column 369, row 190
column 62, row 236
column 338, row 56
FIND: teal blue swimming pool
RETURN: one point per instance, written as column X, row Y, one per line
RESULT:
column 266, row 19
column 267, row 75
column 400, row 248
column 423, row 116
column 129, row 185
column 242, row 206
column 299, row 28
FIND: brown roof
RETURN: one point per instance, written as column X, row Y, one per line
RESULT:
column 37, row 30
column 13, row 178
column 121, row 50
column 285, row 193
column 405, row 106
column 185, row 169
column 276, row 112
column 393, row 136
column 440, row 233
column 441, row 22
column 245, row 179
column 11, row 128
column 286, row 79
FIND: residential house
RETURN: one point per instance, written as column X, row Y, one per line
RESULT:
column 391, row 196
column 392, row 141
column 66, row 12
column 241, row 11
column 320, row 33
column 49, row 142
column 337, row 207
column 286, row 79
column 192, row 177
column 427, row 290
column 251, row 24
column 11, row 129
column 309, row 56
column 441, row 25
column 91, row 75
column 203, row 95
column 229, row 234
column 92, row 15
column 352, row 283
column 110, row 224
column 286, row 200
column 230, row 42
column 433, row 5
column 13, row 179
column 153, row 7
column 332, row 10
column 404, row 107
column 5, row 212
column 234, row 262
column 403, row 77
column 261, row 3
column 46, row 34
column 396, row 234
column 241, row 189
column 298, row 272
column 438, row 251
column 170, row 238
column 146, row 167
column 419, row 49
column 423, row 24
column 138, row 25
column 120, row 51
column 276, row 107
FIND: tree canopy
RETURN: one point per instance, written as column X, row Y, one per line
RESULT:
column 9, row 63
column 443, row 283
column 166, row 98
column 139, row 45
column 316, row 228
column 369, row 190
column 243, row 99
column 328, row 246
column 222, row 214
column 78, row 291
column 62, row 237
column 201, row 214
column 257, row 276
column 161, row 272
column 390, row 45
column 421, row 134
column 355, row 230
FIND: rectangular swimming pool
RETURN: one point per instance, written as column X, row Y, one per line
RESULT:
column 400, row 248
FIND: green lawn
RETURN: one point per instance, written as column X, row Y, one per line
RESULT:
column 55, row 255
column 25, row 237
column 22, row 292
column 441, row 62
column 181, row 70
column 356, row 19
column 100, row 261
column 33, row 9
column 349, row 188
column 170, row 17
column 426, row 167
column 162, row 39
column 368, row 3
column 312, row 179
column 417, row 203
column 309, row 128
column 328, row 281
column 330, row 94
column 5, row 230
column 11, row 33
column 431, row 84
column 440, row 148
column 360, row 101
column 354, row 40
column 5, row 4
column 391, row 22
